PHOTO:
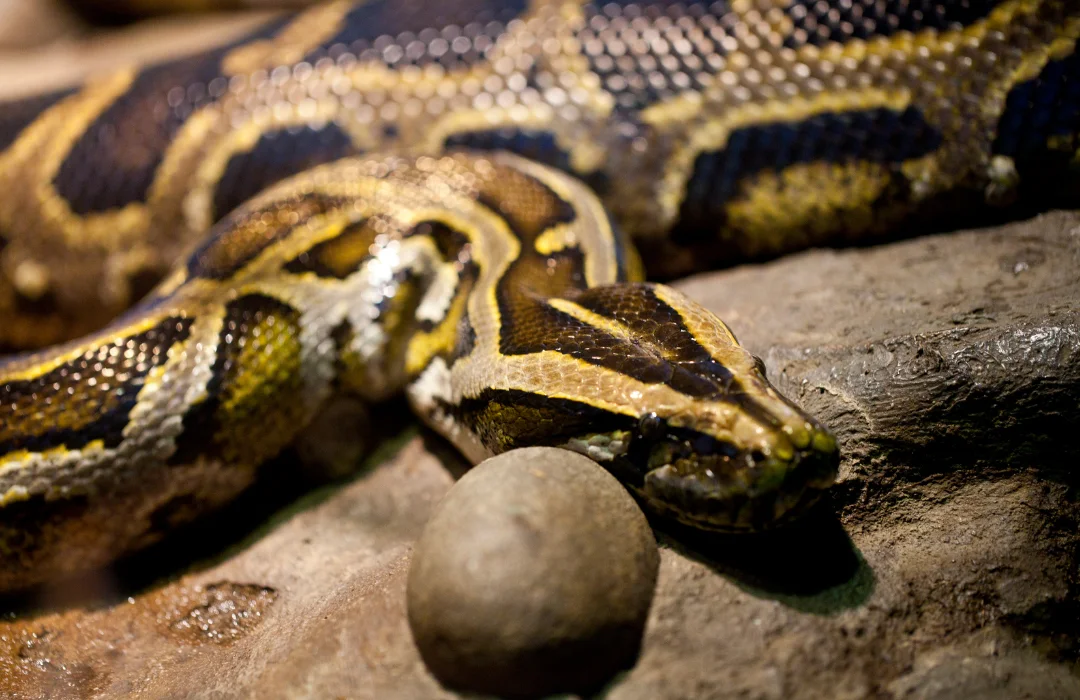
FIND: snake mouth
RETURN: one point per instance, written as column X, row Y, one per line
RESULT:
column 741, row 492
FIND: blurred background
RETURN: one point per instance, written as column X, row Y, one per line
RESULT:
column 45, row 44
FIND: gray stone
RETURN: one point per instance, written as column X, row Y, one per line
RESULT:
column 533, row 576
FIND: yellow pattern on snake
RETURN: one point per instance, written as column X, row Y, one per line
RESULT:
column 436, row 197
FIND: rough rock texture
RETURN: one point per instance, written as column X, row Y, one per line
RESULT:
column 945, row 566
column 533, row 576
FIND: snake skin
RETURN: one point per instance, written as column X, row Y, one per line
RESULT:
column 489, row 283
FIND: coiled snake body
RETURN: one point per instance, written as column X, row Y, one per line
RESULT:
column 434, row 196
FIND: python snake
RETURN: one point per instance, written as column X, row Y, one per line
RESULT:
column 436, row 197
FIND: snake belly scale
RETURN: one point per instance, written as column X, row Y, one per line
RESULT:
column 371, row 197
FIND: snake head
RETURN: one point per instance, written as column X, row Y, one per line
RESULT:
column 657, row 389
column 751, row 473
column 711, row 443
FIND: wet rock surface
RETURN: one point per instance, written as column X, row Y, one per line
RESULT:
column 944, row 565
column 533, row 576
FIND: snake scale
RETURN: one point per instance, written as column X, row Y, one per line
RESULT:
column 438, row 198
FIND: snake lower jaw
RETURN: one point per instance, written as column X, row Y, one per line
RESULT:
column 703, row 504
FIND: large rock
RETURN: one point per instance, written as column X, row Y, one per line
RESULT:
column 945, row 565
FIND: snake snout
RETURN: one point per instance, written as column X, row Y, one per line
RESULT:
column 747, row 491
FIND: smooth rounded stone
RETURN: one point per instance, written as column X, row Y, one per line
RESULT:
column 534, row 576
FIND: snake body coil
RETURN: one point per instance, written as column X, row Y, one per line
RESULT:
column 378, row 196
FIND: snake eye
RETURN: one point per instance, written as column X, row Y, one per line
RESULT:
column 650, row 426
